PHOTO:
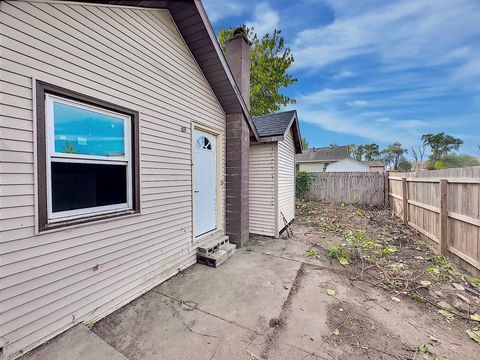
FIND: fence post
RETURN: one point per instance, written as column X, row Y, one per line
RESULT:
column 386, row 190
column 405, row 200
column 443, row 217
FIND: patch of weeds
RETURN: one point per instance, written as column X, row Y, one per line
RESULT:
column 423, row 349
column 90, row 324
column 442, row 269
column 417, row 298
column 361, row 213
column 475, row 282
column 446, row 314
column 338, row 253
column 312, row 253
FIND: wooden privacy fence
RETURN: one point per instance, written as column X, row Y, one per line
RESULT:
column 444, row 206
column 349, row 187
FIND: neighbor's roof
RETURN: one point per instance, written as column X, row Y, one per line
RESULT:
column 374, row 163
column 195, row 28
column 274, row 127
column 323, row 154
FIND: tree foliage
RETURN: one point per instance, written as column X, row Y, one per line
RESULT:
column 392, row 155
column 270, row 60
column 372, row 152
column 440, row 144
column 365, row 152
column 304, row 144
column 456, row 161
column 303, row 183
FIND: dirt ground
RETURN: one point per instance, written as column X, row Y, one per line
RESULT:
column 399, row 299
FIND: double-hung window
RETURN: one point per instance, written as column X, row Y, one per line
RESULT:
column 90, row 158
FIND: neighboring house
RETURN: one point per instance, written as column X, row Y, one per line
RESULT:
column 317, row 159
column 348, row 165
column 272, row 173
column 375, row 165
column 125, row 149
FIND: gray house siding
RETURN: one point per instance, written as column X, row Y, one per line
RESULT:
column 131, row 57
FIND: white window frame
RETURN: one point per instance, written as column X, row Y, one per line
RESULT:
column 53, row 156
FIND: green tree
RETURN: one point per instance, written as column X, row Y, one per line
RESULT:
column 393, row 153
column 404, row 165
column 372, row 152
column 440, row 145
column 351, row 150
column 359, row 152
column 304, row 144
column 270, row 60
column 456, row 161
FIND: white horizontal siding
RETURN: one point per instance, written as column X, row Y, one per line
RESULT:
column 131, row 57
column 262, row 184
column 312, row 166
column 286, row 179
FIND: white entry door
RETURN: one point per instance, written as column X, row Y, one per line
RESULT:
column 205, row 168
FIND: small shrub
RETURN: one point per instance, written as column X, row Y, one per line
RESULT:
column 304, row 182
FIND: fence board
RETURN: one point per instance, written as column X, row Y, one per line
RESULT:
column 455, row 225
column 367, row 188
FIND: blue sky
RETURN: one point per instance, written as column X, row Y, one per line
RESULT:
column 375, row 71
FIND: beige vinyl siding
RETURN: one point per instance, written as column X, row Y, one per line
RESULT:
column 131, row 57
column 286, row 179
column 312, row 166
column 262, row 189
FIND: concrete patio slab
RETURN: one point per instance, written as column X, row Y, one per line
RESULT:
column 248, row 290
column 157, row 327
column 78, row 343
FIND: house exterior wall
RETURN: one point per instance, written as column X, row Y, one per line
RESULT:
column 318, row 166
column 127, row 56
column 348, row 165
column 262, row 189
column 286, row 179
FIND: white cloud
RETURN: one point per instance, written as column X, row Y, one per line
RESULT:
column 400, row 35
column 383, row 130
column 330, row 95
column 344, row 74
column 357, row 103
column 219, row 9
column 265, row 19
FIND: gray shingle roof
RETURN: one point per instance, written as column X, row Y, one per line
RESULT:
column 324, row 154
column 275, row 124
column 374, row 163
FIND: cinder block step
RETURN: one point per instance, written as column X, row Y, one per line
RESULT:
column 218, row 257
column 210, row 246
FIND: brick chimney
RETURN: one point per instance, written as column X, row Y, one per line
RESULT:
column 238, row 144
column 238, row 59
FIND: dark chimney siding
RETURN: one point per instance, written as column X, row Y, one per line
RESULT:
column 238, row 145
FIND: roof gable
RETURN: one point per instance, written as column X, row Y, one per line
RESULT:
column 273, row 127
column 194, row 26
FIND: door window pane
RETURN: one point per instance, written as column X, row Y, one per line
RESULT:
column 79, row 186
column 87, row 132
